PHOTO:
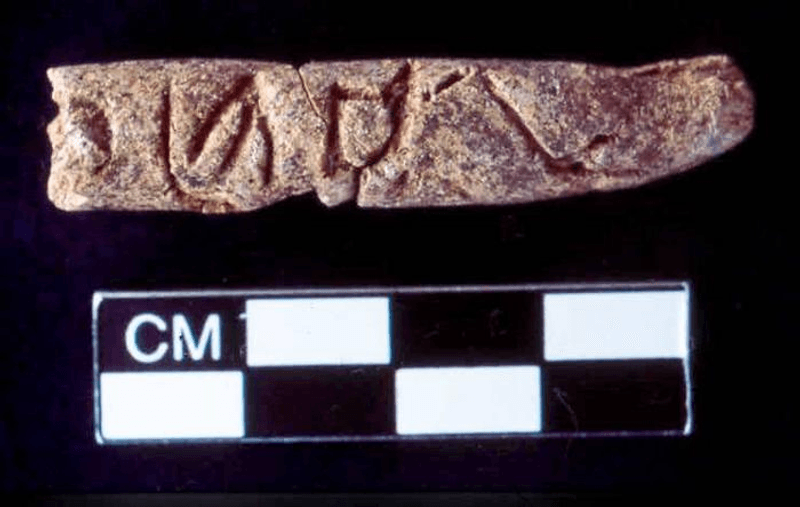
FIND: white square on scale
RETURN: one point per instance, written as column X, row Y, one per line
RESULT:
column 318, row 331
column 171, row 405
column 459, row 400
column 616, row 325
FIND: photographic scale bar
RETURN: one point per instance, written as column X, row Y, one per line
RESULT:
column 392, row 364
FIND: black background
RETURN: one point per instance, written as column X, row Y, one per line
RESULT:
column 725, row 226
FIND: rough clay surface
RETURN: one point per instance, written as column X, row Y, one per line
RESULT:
column 218, row 136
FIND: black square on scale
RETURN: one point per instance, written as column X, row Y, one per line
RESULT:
column 618, row 395
column 319, row 401
column 467, row 329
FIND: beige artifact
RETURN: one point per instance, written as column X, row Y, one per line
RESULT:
column 219, row 136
